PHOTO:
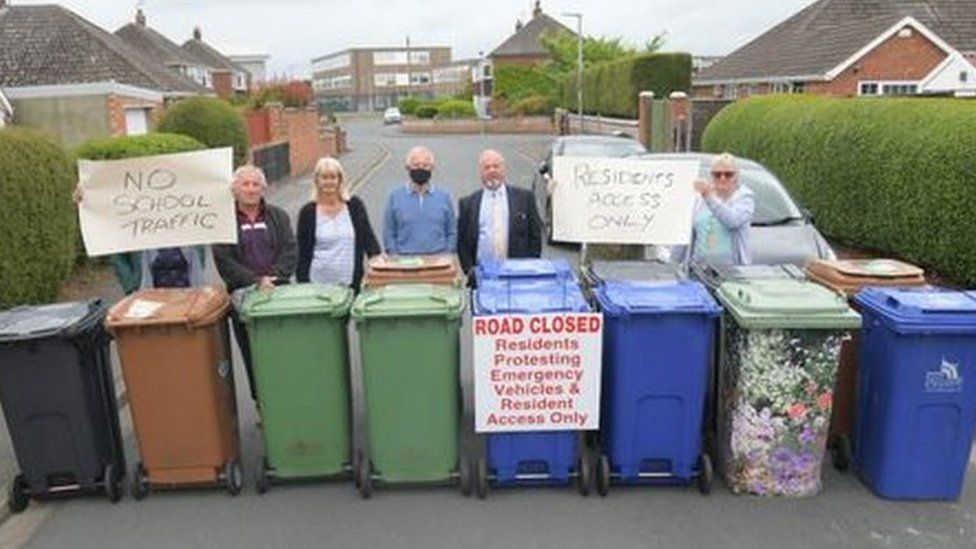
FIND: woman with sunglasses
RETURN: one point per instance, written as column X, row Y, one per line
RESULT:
column 723, row 215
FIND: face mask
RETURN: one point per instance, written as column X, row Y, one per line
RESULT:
column 419, row 176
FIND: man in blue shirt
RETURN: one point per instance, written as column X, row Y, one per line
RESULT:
column 420, row 217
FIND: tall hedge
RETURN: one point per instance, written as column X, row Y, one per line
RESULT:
column 213, row 122
column 512, row 83
column 612, row 88
column 894, row 175
column 115, row 148
column 37, row 217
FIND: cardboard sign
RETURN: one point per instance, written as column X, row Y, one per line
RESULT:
column 157, row 201
column 537, row 372
column 621, row 201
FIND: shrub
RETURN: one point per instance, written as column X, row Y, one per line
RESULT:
column 612, row 88
column 213, row 122
column 455, row 108
column 532, row 105
column 425, row 110
column 38, row 220
column 408, row 105
column 513, row 83
column 140, row 145
column 893, row 175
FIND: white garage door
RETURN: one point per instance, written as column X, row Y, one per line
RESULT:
column 136, row 121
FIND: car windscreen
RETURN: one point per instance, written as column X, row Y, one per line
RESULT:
column 610, row 148
column 773, row 205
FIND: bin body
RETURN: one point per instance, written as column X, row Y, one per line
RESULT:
column 176, row 362
column 410, row 355
column 783, row 340
column 849, row 277
column 657, row 353
column 548, row 457
column 58, row 395
column 300, row 353
column 413, row 269
column 916, row 392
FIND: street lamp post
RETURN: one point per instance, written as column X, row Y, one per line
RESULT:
column 579, row 66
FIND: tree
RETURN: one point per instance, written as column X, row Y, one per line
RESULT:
column 562, row 47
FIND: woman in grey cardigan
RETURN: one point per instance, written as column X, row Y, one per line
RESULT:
column 723, row 216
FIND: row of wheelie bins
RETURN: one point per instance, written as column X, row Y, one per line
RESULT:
column 750, row 372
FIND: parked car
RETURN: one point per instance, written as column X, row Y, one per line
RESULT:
column 392, row 116
column 605, row 146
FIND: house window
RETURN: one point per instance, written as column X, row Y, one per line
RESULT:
column 419, row 78
column 868, row 88
column 798, row 87
column 882, row 88
column 780, row 87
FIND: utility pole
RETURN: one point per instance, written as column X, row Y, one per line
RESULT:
column 579, row 66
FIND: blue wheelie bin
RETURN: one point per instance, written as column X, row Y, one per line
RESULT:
column 553, row 458
column 524, row 269
column 657, row 353
column 916, row 391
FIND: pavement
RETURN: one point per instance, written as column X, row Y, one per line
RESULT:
column 331, row 514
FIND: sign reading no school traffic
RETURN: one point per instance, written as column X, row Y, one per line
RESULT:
column 537, row 372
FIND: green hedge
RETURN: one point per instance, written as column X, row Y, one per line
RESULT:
column 425, row 110
column 455, row 108
column 895, row 175
column 151, row 144
column 612, row 88
column 532, row 105
column 408, row 105
column 512, row 83
column 213, row 122
column 37, row 217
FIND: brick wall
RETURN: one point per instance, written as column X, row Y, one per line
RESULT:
column 117, row 104
column 301, row 128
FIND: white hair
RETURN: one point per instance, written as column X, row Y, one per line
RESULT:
column 328, row 164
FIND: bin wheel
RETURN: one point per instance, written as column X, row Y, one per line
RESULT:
column 262, row 480
column 113, row 483
column 364, row 477
column 706, row 476
column 140, row 482
column 17, row 498
column 233, row 477
column 603, row 476
column 841, row 453
column 481, row 480
column 464, row 476
column 584, row 476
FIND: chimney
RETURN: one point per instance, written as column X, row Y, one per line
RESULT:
column 537, row 10
column 140, row 17
column 197, row 35
column 518, row 25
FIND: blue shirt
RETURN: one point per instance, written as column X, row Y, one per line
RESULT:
column 486, row 248
column 419, row 223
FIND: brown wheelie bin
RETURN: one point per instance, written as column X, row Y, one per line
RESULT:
column 441, row 270
column 176, row 362
column 849, row 277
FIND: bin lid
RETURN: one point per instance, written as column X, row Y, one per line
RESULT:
column 914, row 310
column 192, row 307
column 525, row 268
column 529, row 296
column 713, row 275
column 411, row 263
column 406, row 300
column 57, row 319
column 424, row 269
column 850, row 275
column 649, row 297
column 297, row 299
column 786, row 303
column 598, row 272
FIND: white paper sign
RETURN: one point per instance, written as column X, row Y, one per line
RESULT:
column 157, row 201
column 537, row 372
column 623, row 201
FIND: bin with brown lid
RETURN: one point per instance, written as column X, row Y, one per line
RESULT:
column 848, row 277
column 441, row 270
column 176, row 362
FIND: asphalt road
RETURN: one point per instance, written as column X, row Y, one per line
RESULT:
column 333, row 515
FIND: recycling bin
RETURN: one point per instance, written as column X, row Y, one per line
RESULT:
column 848, row 277
column 783, row 343
column 597, row 272
column 300, row 352
column 176, row 363
column 657, row 353
column 916, row 392
column 525, row 269
column 58, row 397
column 408, row 351
column 403, row 269
column 540, row 458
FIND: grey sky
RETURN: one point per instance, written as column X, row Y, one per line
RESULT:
column 295, row 31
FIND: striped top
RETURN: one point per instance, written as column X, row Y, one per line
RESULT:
column 334, row 252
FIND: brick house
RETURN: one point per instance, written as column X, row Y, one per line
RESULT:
column 853, row 48
column 73, row 79
column 140, row 36
column 524, row 47
column 228, row 78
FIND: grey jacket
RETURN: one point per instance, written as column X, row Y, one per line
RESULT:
column 229, row 258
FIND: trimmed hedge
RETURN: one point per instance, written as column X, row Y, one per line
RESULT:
column 425, row 110
column 455, row 108
column 893, row 175
column 512, row 83
column 408, row 105
column 532, row 105
column 115, row 148
column 213, row 122
column 612, row 88
column 38, row 220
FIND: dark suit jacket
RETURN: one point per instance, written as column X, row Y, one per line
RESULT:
column 524, row 226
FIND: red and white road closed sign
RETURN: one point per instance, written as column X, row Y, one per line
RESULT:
column 537, row 372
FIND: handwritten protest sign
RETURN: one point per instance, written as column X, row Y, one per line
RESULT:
column 157, row 201
column 623, row 201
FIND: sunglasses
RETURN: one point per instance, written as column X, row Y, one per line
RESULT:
column 720, row 175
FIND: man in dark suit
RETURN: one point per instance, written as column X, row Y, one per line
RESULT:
column 498, row 221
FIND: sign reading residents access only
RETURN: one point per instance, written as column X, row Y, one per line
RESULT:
column 623, row 201
column 537, row 372
column 158, row 201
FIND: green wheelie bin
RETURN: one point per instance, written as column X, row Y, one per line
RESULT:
column 409, row 358
column 300, row 352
